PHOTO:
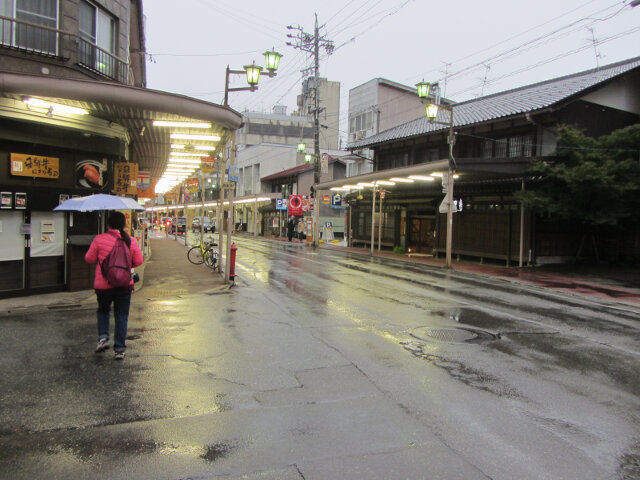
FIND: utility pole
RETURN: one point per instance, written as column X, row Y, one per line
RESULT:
column 312, row 43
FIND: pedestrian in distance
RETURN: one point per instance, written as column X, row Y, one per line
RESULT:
column 107, row 294
column 290, row 227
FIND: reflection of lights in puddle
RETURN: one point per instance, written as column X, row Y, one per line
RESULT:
column 363, row 325
column 170, row 449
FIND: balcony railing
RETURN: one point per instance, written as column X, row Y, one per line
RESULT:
column 51, row 42
column 100, row 61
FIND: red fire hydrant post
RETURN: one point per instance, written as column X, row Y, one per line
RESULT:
column 232, row 262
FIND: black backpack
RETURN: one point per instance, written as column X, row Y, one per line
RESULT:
column 116, row 266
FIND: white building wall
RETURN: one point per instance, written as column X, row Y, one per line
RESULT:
column 622, row 94
column 260, row 161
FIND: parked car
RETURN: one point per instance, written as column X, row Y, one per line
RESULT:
column 207, row 225
column 178, row 226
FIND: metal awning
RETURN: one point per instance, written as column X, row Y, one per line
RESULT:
column 467, row 168
column 133, row 108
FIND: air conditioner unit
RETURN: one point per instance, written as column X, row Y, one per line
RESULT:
column 360, row 135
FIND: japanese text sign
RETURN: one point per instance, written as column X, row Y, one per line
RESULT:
column 35, row 166
column 126, row 178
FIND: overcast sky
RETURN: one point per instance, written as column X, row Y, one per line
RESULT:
column 473, row 48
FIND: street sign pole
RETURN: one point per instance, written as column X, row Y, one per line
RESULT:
column 232, row 161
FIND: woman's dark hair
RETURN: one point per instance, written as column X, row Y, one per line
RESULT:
column 118, row 221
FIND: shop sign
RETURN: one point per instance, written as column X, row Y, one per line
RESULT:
column 295, row 205
column 34, row 166
column 148, row 192
column 326, row 199
column 21, row 200
column 208, row 164
column 126, row 178
column 191, row 185
column 91, row 174
column 144, row 180
column 7, row 199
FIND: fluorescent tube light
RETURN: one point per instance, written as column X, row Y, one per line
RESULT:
column 401, row 180
column 422, row 177
column 55, row 107
column 163, row 123
column 184, row 136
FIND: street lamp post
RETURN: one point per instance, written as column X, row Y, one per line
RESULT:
column 253, row 71
column 430, row 95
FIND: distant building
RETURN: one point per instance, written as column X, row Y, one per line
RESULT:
column 274, row 128
column 375, row 106
column 329, row 110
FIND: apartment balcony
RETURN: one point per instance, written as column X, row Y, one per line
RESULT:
column 66, row 48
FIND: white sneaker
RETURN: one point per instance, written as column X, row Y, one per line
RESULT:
column 103, row 344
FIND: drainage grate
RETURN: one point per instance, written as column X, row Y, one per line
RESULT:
column 451, row 335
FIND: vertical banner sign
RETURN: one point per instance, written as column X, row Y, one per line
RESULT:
column 324, row 163
column 208, row 164
column 295, row 205
column 126, row 178
column 148, row 192
column 144, row 180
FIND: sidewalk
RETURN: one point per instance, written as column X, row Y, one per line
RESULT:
column 167, row 270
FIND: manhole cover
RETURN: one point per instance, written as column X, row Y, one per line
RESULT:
column 451, row 335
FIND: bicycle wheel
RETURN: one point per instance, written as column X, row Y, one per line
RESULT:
column 211, row 258
column 194, row 255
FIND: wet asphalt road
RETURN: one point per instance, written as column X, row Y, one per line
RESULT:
column 325, row 365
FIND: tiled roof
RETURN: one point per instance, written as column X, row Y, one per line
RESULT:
column 295, row 170
column 505, row 104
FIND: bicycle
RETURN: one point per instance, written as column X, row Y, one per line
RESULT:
column 203, row 253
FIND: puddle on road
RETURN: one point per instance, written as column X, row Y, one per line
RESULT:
column 475, row 318
column 217, row 451
column 459, row 371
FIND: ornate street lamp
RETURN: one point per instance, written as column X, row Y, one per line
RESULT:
column 253, row 75
column 423, row 89
column 301, row 146
column 432, row 111
column 271, row 61
column 429, row 93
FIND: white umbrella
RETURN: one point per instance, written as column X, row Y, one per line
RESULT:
column 98, row 201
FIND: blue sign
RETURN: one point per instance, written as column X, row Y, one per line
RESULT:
column 281, row 203
column 232, row 173
column 336, row 201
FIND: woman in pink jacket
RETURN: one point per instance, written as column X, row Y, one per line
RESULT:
column 107, row 294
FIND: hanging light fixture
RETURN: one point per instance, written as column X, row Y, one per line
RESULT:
column 271, row 61
column 424, row 89
column 431, row 111
column 253, row 73
column 301, row 146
